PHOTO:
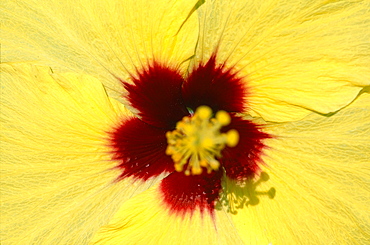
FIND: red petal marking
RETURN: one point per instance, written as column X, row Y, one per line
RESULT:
column 156, row 94
column 215, row 86
column 242, row 161
column 161, row 96
column 182, row 194
column 141, row 150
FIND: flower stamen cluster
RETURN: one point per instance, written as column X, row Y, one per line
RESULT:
column 197, row 141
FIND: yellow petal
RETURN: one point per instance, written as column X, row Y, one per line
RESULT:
column 319, row 168
column 145, row 220
column 296, row 56
column 57, row 181
column 106, row 39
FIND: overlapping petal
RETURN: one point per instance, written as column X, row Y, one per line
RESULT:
column 297, row 56
column 58, row 182
column 106, row 39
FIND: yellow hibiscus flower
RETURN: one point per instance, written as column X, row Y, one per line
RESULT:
column 177, row 122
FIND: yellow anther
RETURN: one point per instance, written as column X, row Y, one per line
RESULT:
column 203, row 163
column 196, row 170
column 169, row 151
column 232, row 138
column 204, row 112
column 178, row 167
column 214, row 164
column 223, row 118
column 197, row 141
column 176, row 156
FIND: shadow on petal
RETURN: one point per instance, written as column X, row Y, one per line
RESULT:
column 239, row 194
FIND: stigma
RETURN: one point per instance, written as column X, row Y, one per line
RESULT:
column 197, row 141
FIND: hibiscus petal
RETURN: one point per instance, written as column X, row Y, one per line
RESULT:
column 141, row 150
column 156, row 95
column 243, row 160
column 146, row 219
column 297, row 56
column 107, row 39
column 212, row 85
column 319, row 168
column 196, row 192
column 58, row 182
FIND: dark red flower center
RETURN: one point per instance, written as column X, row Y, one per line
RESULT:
column 162, row 97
